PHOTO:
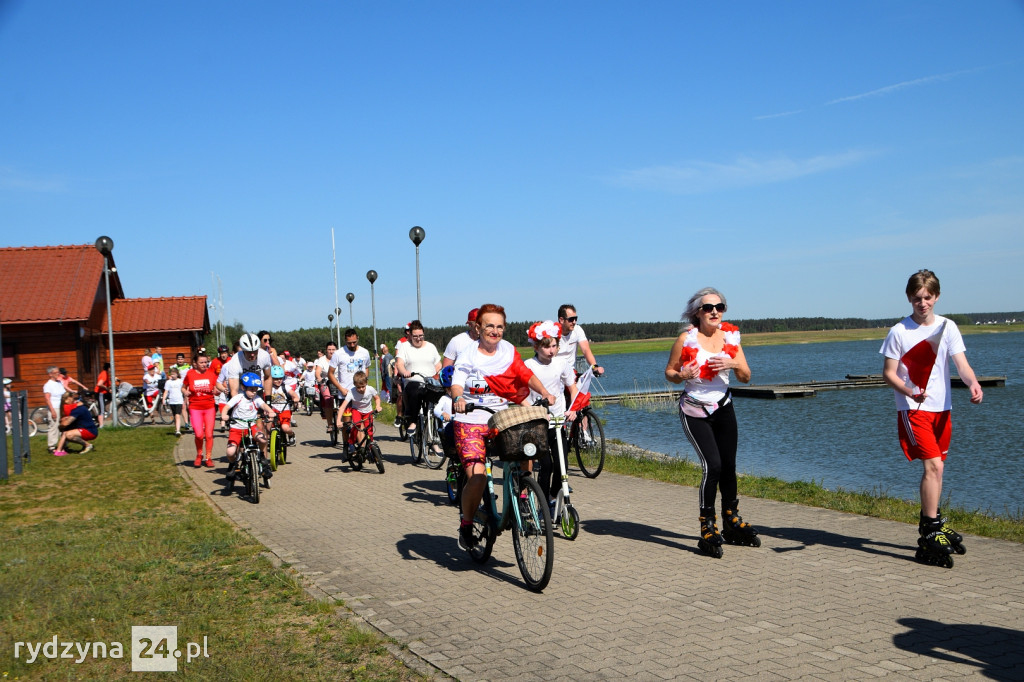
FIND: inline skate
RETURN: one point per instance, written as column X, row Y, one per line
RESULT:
column 736, row 531
column 710, row 540
column 933, row 547
column 955, row 539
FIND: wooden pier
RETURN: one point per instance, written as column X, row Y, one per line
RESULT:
column 802, row 389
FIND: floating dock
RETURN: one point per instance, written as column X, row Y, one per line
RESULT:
column 801, row 389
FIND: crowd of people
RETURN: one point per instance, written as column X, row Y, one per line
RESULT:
column 480, row 367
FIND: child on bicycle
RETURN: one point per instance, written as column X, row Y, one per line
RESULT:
column 245, row 408
column 555, row 376
column 151, row 381
column 443, row 411
column 362, row 401
column 281, row 397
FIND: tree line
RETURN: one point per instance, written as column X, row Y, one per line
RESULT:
column 307, row 341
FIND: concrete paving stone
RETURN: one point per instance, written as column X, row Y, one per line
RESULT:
column 633, row 597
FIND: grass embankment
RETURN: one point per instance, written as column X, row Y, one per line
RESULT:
column 775, row 338
column 633, row 461
column 93, row 544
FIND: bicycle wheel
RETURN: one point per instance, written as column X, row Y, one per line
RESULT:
column 132, row 412
column 453, row 482
column 32, row 428
column 163, row 413
column 532, row 536
column 589, row 444
column 254, row 474
column 483, row 529
column 272, row 449
column 416, row 445
column 378, row 458
column 355, row 460
column 570, row 523
column 41, row 416
column 242, row 469
column 433, row 452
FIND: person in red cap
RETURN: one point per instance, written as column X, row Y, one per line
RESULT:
column 461, row 341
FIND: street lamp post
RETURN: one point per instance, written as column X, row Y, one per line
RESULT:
column 372, row 276
column 350, row 297
column 417, row 235
column 105, row 245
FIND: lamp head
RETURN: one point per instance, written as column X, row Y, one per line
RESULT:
column 371, row 275
column 417, row 235
column 350, row 297
column 105, row 245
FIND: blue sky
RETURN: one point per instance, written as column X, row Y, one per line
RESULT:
column 803, row 157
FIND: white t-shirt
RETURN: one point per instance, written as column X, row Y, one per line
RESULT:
column 457, row 345
column 567, row 345
column 238, row 365
column 151, row 383
column 243, row 411
column 363, row 402
column 941, row 337
column 471, row 372
column 324, row 363
column 422, row 360
column 346, row 363
column 309, row 378
column 555, row 376
column 173, row 388
column 277, row 397
column 54, row 390
column 290, row 368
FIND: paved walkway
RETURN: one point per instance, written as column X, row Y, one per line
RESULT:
column 827, row 596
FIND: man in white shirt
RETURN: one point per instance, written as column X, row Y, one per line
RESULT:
column 346, row 361
column 574, row 337
column 461, row 341
column 251, row 358
column 53, row 389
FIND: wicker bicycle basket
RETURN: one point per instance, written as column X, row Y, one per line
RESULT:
column 516, row 427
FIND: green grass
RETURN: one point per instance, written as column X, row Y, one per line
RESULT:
column 93, row 544
column 632, row 461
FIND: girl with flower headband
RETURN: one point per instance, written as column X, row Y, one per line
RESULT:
column 556, row 376
column 701, row 359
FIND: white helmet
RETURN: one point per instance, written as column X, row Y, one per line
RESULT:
column 249, row 342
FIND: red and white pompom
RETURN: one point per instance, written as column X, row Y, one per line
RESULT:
column 545, row 329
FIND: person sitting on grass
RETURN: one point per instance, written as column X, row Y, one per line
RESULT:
column 363, row 401
column 76, row 425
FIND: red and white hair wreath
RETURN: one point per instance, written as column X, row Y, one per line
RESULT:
column 691, row 347
column 545, row 329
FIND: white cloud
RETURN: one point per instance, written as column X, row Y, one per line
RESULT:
column 889, row 89
column 697, row 177
column 779, row 115
column 10, row 179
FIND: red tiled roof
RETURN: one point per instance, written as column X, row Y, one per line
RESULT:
column 51, row 283
column 182, row 313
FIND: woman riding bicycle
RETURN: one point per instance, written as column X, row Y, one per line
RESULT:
column 488, row 373
column 417, row 359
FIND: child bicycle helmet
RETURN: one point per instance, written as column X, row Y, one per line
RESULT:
column 249, row 342
column 252, row 380
column 446, row 376
column 277, row 372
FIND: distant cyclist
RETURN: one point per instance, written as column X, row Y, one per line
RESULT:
column 574, row 337
column 279, row 395
column 417, row 359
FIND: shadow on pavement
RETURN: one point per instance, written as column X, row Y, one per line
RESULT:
column 806, row 537
column 641, row 532
column 998, row 653
column 446, row 553
column 433, row 491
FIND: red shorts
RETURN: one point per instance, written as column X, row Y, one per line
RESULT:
column 235, row 435
column 357, row 419
column 285, row 416
column 86, row 434
column 924, row 435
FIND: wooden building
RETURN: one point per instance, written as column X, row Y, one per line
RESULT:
column 53, row 312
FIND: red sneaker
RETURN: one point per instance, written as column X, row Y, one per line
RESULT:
column 209, row 463
column 199, row 461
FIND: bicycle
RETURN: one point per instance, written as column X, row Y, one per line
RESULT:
column 522, row 433
column 249, row 465
column 586, row 439
column 41, row 415
column 425, row 442
column 330, row 410
column 132, row 410
column 562, row 511
column 277, row 447
column 309, row 394
column 33, row 428
column 368, row 450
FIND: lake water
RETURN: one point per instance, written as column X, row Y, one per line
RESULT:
column 847, row 438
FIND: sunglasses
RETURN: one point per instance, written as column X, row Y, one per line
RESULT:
column 708, row 307
column 571, row 319
column 416, row 337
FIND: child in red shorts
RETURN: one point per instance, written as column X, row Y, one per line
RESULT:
column 917, row 353
column 363, row 401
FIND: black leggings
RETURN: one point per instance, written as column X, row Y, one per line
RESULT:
column 714, row 438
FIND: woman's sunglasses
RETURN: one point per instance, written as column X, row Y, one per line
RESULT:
column 708, row 307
